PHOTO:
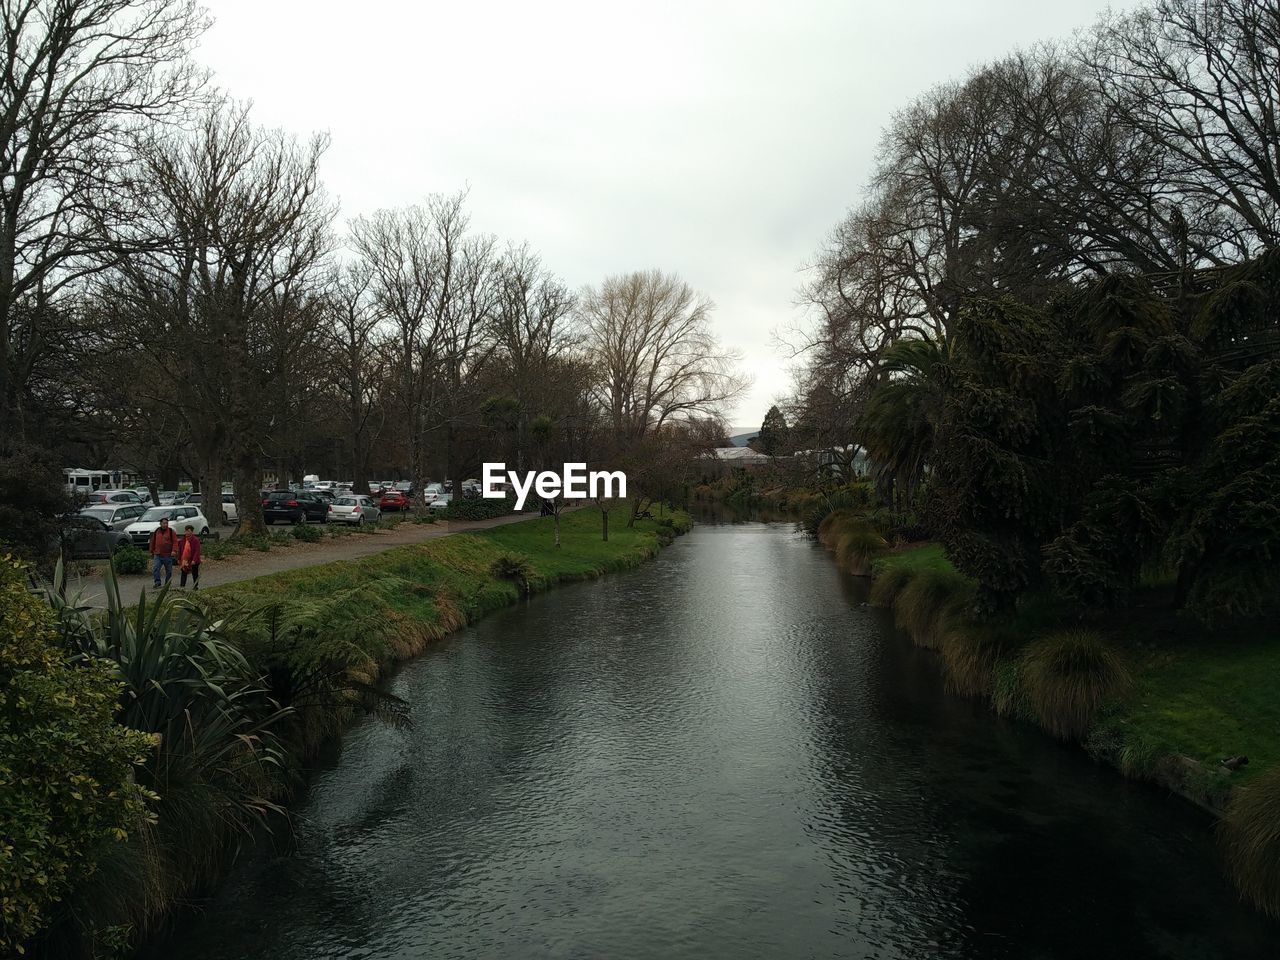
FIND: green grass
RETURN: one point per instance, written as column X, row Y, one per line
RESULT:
column 929, row 556
column 1208, row 699
column 412, row 594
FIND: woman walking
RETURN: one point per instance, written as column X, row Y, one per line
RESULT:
column 189, row 558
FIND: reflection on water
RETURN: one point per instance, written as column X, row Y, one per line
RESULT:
column 722, row 754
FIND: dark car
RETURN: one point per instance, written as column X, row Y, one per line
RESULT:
column 294, row 507
column 84, row 537
column 393, row 500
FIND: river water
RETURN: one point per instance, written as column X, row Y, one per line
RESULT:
column 722, row 754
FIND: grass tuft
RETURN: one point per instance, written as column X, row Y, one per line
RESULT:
column 1250, row 834
column 1067, row 677
column 927, row 601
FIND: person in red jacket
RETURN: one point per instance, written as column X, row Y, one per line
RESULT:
column 189, row 558
column 163, row 545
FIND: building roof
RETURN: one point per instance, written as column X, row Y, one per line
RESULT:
column 741, row 455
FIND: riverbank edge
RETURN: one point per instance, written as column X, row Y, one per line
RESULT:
column 437, row 588
column 1184, row 776
column 928, row 596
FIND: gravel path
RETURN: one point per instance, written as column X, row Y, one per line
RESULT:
column 250, row 564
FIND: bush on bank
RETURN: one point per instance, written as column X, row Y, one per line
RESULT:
column 67, row 790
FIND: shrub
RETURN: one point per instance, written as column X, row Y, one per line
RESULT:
column 1250, row 834
column 307, row 534
column 857, row 546
column 969, row 655
column 130, row 560
column 1008, row 695
column 481, row 508
column 887, row 585
column 515, row 569
column 67, row 792
column 1067, row 677
column 930, row 596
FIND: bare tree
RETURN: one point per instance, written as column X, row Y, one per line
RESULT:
column 532, row 332
column 1197, row 79
column 226, row 307
column 78, row 77
column 415, row 256
column 649, row 334
column 359, row 365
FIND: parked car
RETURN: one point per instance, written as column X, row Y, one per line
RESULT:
column 328, row 496
column 179, row 516
column 294, row 507
column 355, row 510
column 393, row 500
column 433, row 491
column 229, row 508
column 117, row 516
column 85, row 537
column 112, row 496
column 405, row 487
column 440, row 503
column 167, row 497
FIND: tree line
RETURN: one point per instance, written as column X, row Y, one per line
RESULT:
column 178, row 293
column 1050, row 320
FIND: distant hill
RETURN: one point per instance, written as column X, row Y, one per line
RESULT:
column 741, row 436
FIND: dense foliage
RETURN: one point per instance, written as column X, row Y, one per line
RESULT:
column 67, row 790
column 1127, row 427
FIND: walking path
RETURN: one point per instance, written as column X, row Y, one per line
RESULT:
column 246, row 566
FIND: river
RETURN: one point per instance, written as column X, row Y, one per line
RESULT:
column 722, row 754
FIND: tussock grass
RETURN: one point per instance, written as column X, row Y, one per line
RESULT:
column 857, row 546
column 1250, row 835
column 831, row 525
column 927, row 601
column 969, row 655
column 1067, row 677
column 887, row 585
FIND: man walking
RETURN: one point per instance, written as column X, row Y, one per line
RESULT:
column 164, row 542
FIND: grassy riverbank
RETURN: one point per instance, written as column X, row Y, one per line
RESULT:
column 1159, row 697
column 1194, row 694
column 354, row 619
column 233, row 689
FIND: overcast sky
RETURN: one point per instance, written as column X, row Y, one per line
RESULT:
column 721, row 141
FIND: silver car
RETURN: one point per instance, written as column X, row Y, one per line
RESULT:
column 117, row 516
column 357, row 510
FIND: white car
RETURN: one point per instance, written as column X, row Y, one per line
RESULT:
column 441, row 502
column 433, row 492
column 356, row 510
column 139, row 532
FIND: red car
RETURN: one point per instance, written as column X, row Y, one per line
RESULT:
column 394, row 500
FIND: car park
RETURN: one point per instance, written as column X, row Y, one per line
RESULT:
column 393, row 500
column 357, row 510
column 179, row 516
column 117, row 516
column 294, row 507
